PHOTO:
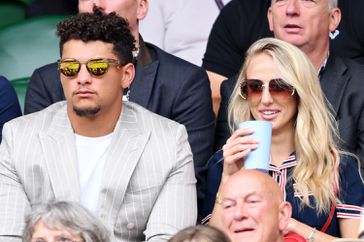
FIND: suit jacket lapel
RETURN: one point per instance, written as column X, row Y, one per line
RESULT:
column 334, row 81
column 125, row 150
column 59, row 149
column 143, row 82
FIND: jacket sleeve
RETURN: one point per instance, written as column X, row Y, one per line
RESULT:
column 13, row 200
column 175, row 207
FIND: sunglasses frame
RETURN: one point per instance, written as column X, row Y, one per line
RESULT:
column 108, row 62
column 245, row 96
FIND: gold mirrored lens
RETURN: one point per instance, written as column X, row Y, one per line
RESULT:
column 69, row 68
column 97, row 67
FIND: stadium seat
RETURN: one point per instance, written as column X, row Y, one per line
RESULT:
column 11, row 11
column 20, row 85
column 28, row 45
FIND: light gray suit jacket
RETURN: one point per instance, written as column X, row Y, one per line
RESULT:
column 148, row 186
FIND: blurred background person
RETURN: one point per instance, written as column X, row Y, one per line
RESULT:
column 181, row 27
column 61, row 221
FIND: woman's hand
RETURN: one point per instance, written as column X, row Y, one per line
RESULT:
column 237, row 147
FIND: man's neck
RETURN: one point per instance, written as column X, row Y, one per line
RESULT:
column 317, row 55
column 99, row 125
column 135, row 33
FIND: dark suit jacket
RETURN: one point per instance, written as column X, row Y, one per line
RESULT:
column 9, row 104
column 342, row 81
column 168, row 86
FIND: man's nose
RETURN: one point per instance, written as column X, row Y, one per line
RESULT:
column 240, row 211
column 293, row 7
column 83, row 76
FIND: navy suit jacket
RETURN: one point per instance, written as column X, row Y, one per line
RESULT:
column 342, row 81
column 9, row 104
column 168, row 86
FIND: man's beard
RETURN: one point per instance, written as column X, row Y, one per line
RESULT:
column 86, row 112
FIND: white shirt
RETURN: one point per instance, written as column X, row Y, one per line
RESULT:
column 91, row 153
column 180, row 27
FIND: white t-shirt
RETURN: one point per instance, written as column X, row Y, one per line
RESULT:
column 91, row 153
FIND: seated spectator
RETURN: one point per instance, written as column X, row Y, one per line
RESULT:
column 181, row 27
column 62, row 221
column 340, row 78
column 200, row 233
column 252, row 208
column 235, row 30
column 130, row 167
column 279, row 84
column 9, row 104
column 163, row 84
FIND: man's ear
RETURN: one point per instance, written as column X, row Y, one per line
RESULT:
column 270, row 19
column 128, row 74
column 335, row 18
column 285, row 213
column 142, row 9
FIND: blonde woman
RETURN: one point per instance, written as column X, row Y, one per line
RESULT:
column 278, row 84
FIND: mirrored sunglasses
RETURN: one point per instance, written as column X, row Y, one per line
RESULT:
column 70, row 67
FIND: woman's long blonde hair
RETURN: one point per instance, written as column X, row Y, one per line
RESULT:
column 315, row 127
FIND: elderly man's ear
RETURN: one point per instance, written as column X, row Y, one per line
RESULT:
column 285, row 213
column 142, row 11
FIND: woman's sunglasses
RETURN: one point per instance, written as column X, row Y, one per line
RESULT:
column 278, row 88
column 97, row 67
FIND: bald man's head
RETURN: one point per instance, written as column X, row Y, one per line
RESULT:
column 253, row 208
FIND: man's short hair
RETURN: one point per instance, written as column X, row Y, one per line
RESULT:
column 109, row 28
column 331, row 4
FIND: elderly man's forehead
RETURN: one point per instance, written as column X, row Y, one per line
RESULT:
column 251, row 182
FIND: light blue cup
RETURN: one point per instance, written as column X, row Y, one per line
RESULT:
column 259, row 158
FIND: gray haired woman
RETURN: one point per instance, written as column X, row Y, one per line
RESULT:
column 61, row 221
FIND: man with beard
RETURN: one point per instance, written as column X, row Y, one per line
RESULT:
column 130, row 167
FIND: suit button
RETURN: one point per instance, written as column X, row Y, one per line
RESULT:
column 130, row 226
